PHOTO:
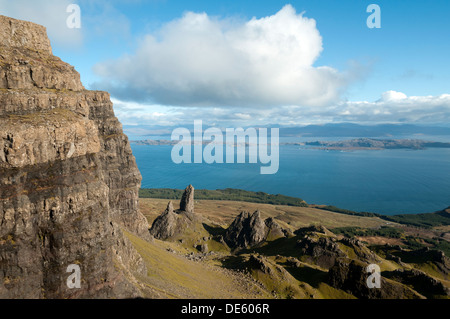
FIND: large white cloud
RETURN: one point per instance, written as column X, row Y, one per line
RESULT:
column 205, row 61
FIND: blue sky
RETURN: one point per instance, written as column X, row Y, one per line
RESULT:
column 257, row 62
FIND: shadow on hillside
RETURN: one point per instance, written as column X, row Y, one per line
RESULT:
column 307, row 274
column 414, row 256
column 214, row 231
column 281, row 246
column 418, row 283
column 234, row 262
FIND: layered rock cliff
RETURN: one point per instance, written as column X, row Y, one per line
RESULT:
column 68, row 179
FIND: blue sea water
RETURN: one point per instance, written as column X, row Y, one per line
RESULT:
column 382, row 181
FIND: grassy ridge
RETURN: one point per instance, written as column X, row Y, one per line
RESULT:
column 224, row 194
column 348, row 212
column 427, row 220
column 389, row 232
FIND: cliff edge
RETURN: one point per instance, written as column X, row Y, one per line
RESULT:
column 68, row 179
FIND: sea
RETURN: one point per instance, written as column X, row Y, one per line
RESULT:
column 388, row 182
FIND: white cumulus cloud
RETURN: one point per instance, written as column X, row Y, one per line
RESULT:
column 392, row 96
column 199, row 60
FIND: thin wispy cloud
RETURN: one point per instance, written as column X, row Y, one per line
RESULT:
column 391, row 107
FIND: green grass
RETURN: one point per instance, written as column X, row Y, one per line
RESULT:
column 384, row 231
column 329, row 292
column 439, row 244
column 348, row 212
column 427, row 220
column 224, row 194
column 173, row 276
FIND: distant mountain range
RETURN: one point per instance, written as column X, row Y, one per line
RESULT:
column 354, row 144
column 367, row 143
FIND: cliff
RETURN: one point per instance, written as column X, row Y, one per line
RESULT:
column 68, row 179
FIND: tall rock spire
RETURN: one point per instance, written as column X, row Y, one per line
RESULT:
column 187, row 200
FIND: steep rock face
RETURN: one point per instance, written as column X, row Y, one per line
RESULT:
column 68, row 179
column 24, row 34
column 187, row 201
column 248, row 230
column 26, row 59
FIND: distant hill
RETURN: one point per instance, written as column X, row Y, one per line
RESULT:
column 368, row 143
column 356, row 130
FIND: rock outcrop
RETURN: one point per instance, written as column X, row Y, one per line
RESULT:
column 174, row 224
column 68, row 179
column 420, row 281
column 23, row 34
column 320, row 246
column 351, row 276
column 248, row 230
column 187, row 201
column 360, row 250
column 165, row 225
column 323, row 251
column 434, row 256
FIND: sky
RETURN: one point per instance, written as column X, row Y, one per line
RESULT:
column 252, row 63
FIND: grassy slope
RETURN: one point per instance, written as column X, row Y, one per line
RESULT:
column 173, row 276
column 182, row 273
